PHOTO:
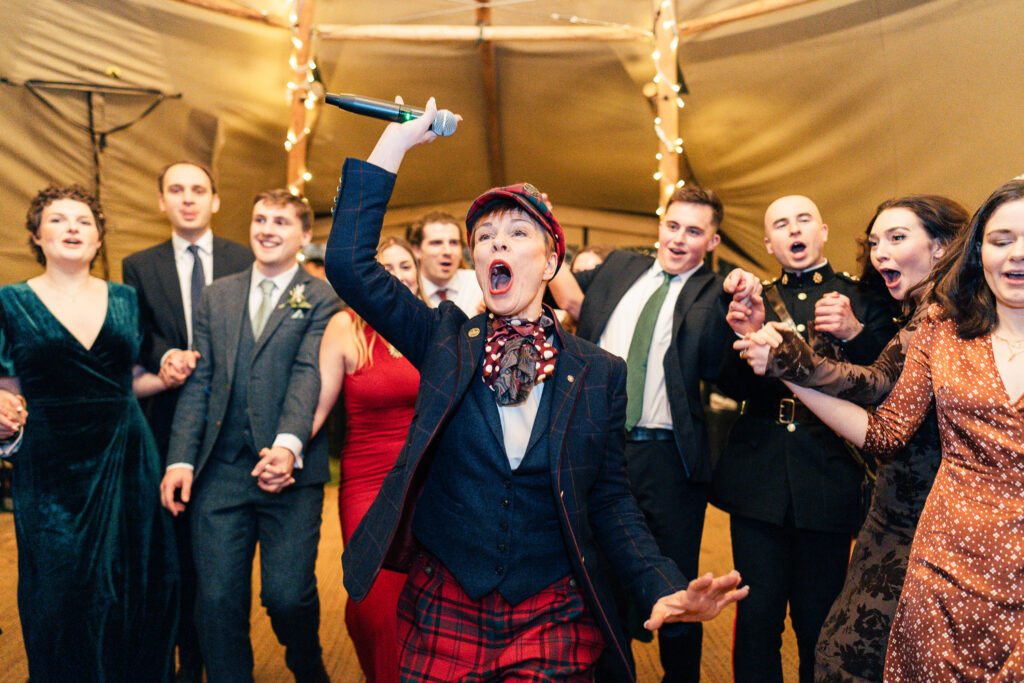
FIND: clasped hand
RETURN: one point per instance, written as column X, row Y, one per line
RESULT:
column 12, row 414
column 177, row 367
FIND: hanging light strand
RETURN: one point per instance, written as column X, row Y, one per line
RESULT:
column 300, row 88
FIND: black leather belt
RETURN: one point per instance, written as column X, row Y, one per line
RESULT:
column 645, row 434
column 786, row 411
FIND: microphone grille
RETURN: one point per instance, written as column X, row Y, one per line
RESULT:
column 444, row 123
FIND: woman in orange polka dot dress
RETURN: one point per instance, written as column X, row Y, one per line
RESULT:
column 961, row 613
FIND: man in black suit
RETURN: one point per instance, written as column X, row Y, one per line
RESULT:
column 240, row 454
column 791, row 487
column 666, row 317
column 512, row 476
column 169, row 277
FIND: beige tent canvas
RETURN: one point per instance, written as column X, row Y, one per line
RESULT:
column 848, row 101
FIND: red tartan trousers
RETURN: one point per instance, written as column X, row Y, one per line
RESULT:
column 444, row 635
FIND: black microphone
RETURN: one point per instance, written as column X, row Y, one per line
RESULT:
column 444, row 123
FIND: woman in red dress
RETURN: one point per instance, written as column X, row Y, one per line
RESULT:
column 380, row 388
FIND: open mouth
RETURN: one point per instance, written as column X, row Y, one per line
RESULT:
column 72, row 241
column 797, row 248
column 267, row 243
column 891, row 277
column 500, row 277
column 1015, row 276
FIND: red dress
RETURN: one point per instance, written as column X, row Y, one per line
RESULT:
column 379, row 403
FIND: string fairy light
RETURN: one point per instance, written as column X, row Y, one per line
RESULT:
column 300, row 88
column 659, row 82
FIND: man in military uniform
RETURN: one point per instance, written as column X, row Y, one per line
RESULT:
column 791, row 486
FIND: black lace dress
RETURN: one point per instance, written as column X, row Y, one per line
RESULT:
column 853, row 639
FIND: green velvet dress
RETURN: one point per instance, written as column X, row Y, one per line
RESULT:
column 97, row 568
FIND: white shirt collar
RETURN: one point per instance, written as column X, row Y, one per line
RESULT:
column 280, row 280
column 656, row 269
column 181, row 245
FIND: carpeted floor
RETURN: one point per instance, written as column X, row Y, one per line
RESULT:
column 339, row 655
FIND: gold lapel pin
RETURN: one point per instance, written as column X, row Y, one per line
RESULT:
column 473, row 332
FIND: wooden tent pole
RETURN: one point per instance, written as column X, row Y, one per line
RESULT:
column 666, row 48
column 425, row 33
column 492, row 120
column 303, row 31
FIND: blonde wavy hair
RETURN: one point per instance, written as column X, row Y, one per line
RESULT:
column 364, row 348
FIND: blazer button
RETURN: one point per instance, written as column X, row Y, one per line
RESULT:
column 505, row 503
column 791, row 427
column 570, row 378
column 499, row 570
column 501, row 547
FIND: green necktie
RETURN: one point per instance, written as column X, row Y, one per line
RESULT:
column 639, row 349
column 265, row 309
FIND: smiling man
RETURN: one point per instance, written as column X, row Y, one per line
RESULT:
column 666, row 318
column 241, row 457
column 512, row 476
column 791, row 488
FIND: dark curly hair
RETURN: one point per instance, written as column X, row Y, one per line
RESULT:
column 960, row 285
column 49, row 195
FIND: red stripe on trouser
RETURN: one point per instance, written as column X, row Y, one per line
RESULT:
column 446, row 636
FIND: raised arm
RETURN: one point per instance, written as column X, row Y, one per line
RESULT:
column 352, row 268
column 898, row 418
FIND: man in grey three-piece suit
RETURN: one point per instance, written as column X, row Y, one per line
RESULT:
column 241, row 453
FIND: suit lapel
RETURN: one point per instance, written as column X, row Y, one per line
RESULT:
column 237, row 314
column 570, row 370
column 691, row 290
column 628, row 275
column 166, row 270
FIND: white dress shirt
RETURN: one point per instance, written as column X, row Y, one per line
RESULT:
column 618, row 334
column 184, row 262
column 517, row 425
column 462, row 290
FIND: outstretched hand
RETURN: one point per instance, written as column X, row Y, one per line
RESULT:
column 702, row 600
column 399, row 138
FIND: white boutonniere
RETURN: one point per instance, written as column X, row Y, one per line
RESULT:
column 297, row 301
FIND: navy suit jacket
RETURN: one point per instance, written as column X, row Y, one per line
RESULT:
column 154, row 275
column 587, row 464
column 700, row 336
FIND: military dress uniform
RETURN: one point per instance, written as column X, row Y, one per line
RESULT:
column 791, row 486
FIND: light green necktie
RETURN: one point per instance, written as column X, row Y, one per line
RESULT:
column 265, row 309
column 639, row 349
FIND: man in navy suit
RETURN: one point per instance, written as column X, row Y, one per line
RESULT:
column 169, row 277
column 512, row 477
column 241, row 453
column 668, row 316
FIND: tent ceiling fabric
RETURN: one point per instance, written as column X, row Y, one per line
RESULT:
column 847, row 101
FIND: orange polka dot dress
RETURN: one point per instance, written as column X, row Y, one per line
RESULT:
column 961, row 613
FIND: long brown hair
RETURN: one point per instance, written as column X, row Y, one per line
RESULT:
column 364, row 347
column 961, row 288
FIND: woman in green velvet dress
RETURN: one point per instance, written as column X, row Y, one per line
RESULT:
column 97, row 569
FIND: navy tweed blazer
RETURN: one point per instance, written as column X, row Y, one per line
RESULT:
column 588, row 477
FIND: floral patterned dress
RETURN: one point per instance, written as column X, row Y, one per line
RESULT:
column 961, row 614
column 852, row 644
